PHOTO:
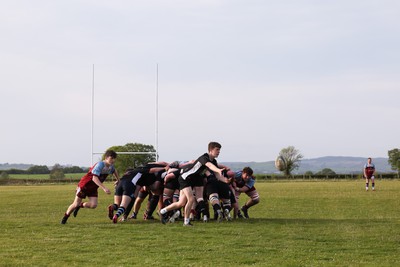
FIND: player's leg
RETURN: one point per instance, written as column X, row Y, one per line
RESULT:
column 92, row 194
column 126, row 199
column 188, row 193
column 117, row 197
column 91, row 204
column 114, row 206
column 373, row 182
column 156, row 190
column 224, row 193
column 142, row 194
column 236, row 206
column 366, row 183
column 201, row 205
column 167, row 196
column 174, row 206
column 213, row 198
column 75, row 204
column 254, row 199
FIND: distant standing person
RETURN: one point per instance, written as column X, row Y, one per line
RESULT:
column 369, row 171
column 88, row 185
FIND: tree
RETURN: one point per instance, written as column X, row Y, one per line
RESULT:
column 394, row 159
column 57, row 172
column 4, row 175
column 308, row 173
column 38, row 169
column 292, row 158
column 326, row 171
column 73, row 169
column 124, row 161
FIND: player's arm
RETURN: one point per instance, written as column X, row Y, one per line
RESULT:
column 224, row 167
column 158, row 169
column 159, row 163
column 116, row 176
column 243, row 189
column 169, row 177
column 97, row 181
column 181, row 165
column 217, row 171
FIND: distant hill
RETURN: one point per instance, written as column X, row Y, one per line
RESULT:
column 340, row 165
column 18, row 166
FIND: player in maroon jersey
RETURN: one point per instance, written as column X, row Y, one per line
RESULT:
column 88, row 185
column 369, row 171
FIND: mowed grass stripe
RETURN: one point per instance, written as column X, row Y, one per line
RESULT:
column 297, row 223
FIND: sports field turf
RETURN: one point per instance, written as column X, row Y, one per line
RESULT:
column 297, row 223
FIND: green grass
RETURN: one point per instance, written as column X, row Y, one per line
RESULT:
column 300, row 223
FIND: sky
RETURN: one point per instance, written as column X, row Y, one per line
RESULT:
column 256, row 76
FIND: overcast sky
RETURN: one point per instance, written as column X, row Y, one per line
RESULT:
column 256, row 76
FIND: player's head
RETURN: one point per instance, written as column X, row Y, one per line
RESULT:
column 174, row 164
column 369, row 160
column 214, row 149
column 110, row 156
column 213, row 145
column 247, row 172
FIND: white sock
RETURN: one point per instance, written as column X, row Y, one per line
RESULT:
column 163, row 211
column 187, row 221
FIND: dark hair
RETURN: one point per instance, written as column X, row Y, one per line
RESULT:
column 248, row 170
column 213, row 145
column 174, row 164
column 110, row 153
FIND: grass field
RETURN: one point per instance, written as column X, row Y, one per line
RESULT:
column 297, row 223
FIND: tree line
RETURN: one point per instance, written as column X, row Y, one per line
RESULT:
column 292, row 158
column 290, row 154
column 42, row 169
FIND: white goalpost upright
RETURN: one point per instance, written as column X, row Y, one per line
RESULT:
column 130, row 152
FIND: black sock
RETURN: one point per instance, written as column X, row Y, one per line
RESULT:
column 216, row 207
column 130, row 206
column 152, row 205
column 120, row 211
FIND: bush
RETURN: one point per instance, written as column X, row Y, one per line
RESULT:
column 57, row 174
column 4, row 175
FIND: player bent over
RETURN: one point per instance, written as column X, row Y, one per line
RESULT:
column 88, row 185
column 369, row 171
column 128, row 189
column 245, row 184
column 123, row 196
column 191, row 176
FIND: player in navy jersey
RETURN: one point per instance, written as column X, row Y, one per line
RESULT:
column 131, row 183
column 191, row 175
column 369, row 171
column 245, row 184
column 88, row 185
